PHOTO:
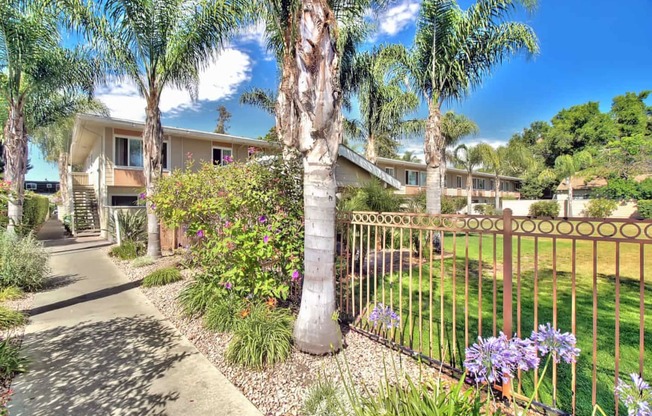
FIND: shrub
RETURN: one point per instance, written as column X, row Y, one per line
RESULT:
column 449, row 204
column 325, row 399
column 372, row 196
column 162, row 277
column 245, row 222
column 224, row 314
column 484, row 209
column 23, row 262
column 142, row 261
column 544, row 209
column 645, row 208
column 10, row 318
column 600, row 208
column 35, row 211
column 11, row 293
column 128, row 250
column 132, row 223
column 619, row 189
column 645, row 189
column 11, row 361
column 196, row 297
column 263, row 338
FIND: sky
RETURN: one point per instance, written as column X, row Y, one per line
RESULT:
column 591, row 50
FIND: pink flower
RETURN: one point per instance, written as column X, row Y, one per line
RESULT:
column 142, row 195
column 227, row 224
column 189, row 155
column 265, row 239
column 228, row 159
column 200, row 233
column 251, row 150
column 228, row 285
column 296, row 275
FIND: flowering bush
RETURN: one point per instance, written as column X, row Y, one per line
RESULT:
column 245, row 221
column 636, row 397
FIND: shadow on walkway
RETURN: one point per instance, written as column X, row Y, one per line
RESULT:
column 86, row 297
column 106, row 367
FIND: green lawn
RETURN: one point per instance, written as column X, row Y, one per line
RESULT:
column 421, row 327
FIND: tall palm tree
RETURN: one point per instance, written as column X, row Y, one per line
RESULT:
column 566, row 166
column 453, row 51
column 384, row 103
column 33, row 68
column 453, row 127
column 158, row 45
column 409, row 156
column 469, row 157
column 54, row 140
column 504, row 160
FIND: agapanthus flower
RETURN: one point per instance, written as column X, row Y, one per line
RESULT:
column 200, row 233
column 296, row 275
column 265, row 239
column 262, row 219
column 384, row 316
column 525, row 353
column 551, row 341
column 636, row 397
column 498, row 358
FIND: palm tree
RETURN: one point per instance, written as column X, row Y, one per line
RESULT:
column 453, row 51
column 409, row 156
column 504, row 160
column 35, row 68
column 158, row 45
column 566, row 166
column 453, row 128
column 54, row 140
column 469, row 157
column 384, row 103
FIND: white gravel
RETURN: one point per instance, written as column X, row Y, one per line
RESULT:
column 279, row 390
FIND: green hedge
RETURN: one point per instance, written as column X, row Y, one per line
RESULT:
column 645, row 208
column 544, row 209
column 35, row 210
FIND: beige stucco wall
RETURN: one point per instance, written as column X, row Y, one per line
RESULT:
column 349, row 174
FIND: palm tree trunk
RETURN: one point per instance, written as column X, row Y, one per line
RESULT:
column 286, row 112
column 15, row 149
column 63, row 182
column 152, row 144
column 434, row 143
column 320, row 123
column 469, row 196
column 497, row 191
column 442, row 173
column 370, row 152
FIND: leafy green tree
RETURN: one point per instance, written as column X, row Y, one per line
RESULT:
column 38, row 76
column 566, row 166
column 468, row 158
column 158, row 45
column 453, row 51
column 618, row 189
column 628, row 155
column 631, row 114
column 223, row 118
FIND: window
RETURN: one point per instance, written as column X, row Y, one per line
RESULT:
column 219, row 154
column 124, row 200
column 478, row 184
column 390, row 172
column 458, row 181
column 504, row 186
column 48, row 185
column 415, row 178
column 129, row 152
column 30, row 186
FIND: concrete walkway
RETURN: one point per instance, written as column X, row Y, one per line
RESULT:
column 98, row 347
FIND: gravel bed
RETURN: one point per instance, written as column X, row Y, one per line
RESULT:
column 279, row 390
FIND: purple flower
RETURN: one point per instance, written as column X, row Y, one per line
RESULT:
column 384, row 316
column 142, row 195
column 227, row 224
column 200, row 233
column 551, row 341
column 251, row 150
column 296, row 275
column 498, row 358
column 262, row 219
column 265, row 239
column 637, row 397
column 525, row 353
column 228, row 285
column 228, row 159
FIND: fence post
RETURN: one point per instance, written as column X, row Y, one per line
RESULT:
column 507, row 283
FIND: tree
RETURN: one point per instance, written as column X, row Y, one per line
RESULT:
column 54, row 140
column 566, row 166
column 35, row 67
column 384, row 103
column 469, row 157
column 409, row 156
column 504, row 160
column 453, row 51
column 631, row 114
column 453, row 128
column 158, row 45
column 223, row 117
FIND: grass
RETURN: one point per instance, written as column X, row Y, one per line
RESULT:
column 128, row 250
column 11, row 361
column 162, row 277
column 11, row 293
column 142, row 261
column 10, row 318
column 427, row 327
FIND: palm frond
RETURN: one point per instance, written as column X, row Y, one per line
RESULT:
column 261, row 98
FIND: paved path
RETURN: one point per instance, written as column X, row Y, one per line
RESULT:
column 98, row 347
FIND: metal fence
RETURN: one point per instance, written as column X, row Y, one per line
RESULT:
column 453, row 278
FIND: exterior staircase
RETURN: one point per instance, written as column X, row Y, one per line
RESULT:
column 86, row 214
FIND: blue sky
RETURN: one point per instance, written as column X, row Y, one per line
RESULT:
column 591, row 50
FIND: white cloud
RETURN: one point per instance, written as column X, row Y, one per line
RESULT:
column 218, row 81
column 491, row 142
column 416, row 147
column 396, row 18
